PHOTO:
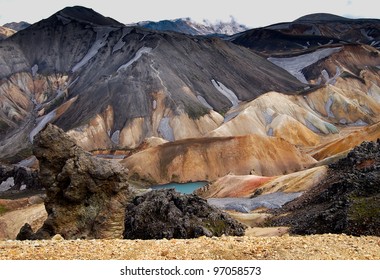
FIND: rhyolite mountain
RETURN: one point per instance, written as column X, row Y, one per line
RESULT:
column 111, row 86
column 188, row 26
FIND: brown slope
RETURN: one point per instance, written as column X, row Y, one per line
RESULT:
column 6, row 32
column 347, row 141
column 211, row 158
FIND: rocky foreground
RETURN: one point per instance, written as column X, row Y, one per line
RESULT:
column 313, row 247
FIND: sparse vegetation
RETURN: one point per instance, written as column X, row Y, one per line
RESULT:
column 3, row 209
column 195, row 112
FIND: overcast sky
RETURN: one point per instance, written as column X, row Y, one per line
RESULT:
column 249, row 12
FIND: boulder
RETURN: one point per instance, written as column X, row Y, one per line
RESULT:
column 168, row 214
column 85, row 196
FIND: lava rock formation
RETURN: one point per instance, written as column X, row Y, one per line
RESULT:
column 86, row 196
column 347, row 201
column 168, row 214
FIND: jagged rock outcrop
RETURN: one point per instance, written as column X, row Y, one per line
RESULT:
column 347, row 201
column 168, row 214
column 86, row 196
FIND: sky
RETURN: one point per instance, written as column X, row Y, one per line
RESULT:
column 249, row 12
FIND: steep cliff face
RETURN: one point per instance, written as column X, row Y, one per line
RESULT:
column 99, row 79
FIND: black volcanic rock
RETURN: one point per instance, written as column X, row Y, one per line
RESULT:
column 169, row 214
column 310, row 32
column 347, row 201
column 86, row 196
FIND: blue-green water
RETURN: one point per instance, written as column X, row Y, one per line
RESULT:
column 187, row 188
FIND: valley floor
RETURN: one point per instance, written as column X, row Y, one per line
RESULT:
column 286, row 247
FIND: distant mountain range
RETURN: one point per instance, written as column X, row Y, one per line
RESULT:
column 187, row 26
column 181, row 25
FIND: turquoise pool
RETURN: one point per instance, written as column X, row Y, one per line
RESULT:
column 187, row 188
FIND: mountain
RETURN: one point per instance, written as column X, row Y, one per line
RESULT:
column 309, row 32
column 17, row 26
column 188, row 26
column 112, row 86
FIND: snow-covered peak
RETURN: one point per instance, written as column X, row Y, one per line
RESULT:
column 188, row 26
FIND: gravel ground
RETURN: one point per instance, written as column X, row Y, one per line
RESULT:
column 286, row 247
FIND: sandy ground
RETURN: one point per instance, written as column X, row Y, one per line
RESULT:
column 316, row 247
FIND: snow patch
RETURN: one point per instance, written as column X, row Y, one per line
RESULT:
column 359, row 122
column 328, row 105
column 102, row 34
column 115, row 137
column 226, row 92
column 230, row 116
column 165, row 129
column 34, row 70
column 245, row 205
column 295, row 64
column 327, row 78
column 120, row 43
column 46, row 119
column 268, row 115
column 343, row 121
column 139, row 53
column 366, row 33
column 154, row 104
column 73, row 82
column 7, row 184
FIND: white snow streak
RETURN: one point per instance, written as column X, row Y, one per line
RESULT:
column 295, row 64
column 139, row 53
column 34, row 70
column 328, row 105
column 115, row 137
column 6, row 185
column 102, row 34
column 226, row 92
column 120, row 43
column 165, row 129
column 42, row 124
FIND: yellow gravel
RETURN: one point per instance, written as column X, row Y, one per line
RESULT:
column 286, row 247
